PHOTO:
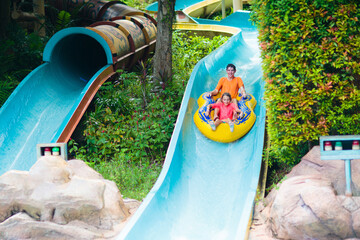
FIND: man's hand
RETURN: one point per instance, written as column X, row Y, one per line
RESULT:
column 213, row 93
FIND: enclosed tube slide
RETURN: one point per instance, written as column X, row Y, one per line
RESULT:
column 50, row 101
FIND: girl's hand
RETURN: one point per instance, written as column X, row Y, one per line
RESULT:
column 207, row 112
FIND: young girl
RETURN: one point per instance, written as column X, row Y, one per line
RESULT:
column 227, row 112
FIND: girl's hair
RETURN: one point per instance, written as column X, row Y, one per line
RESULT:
column 226, row 94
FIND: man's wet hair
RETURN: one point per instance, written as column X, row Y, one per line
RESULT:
column 231, row 65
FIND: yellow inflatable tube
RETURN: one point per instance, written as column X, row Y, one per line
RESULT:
column 222, row 132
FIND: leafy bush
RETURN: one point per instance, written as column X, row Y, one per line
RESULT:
column 310, row 52
column 20, row 53
column 189, row 49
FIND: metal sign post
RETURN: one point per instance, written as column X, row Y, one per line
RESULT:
column 341, row 147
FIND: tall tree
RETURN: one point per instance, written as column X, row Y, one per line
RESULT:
column 163, row 55
column 39, row 10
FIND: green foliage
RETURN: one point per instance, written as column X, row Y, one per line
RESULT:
column 139, row 4
column 135, row 179
column 134, row 139
column 63, row 20
column 20, row 53
column 310, row 52
column 276, row 178
column 20, row 50
column 125, row 139
column 6, row 88
column 141, row 134
column 189, row 49
column 57, row 20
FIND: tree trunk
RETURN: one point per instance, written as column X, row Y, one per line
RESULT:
column 4, row 16
column 39, row 10
column 163, row 55
column 237, row 5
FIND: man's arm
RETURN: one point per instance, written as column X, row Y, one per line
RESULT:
column 213, row 92
column 242, row 87
column 243, row 93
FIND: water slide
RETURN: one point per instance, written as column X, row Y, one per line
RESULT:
column 50, row 101
column 206, row 189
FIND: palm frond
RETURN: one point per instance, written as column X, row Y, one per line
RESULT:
column 63, row 20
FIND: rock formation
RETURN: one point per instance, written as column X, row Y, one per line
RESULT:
column 311, row 203
column 56, row 199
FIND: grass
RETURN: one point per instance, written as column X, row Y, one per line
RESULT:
column 138, row 179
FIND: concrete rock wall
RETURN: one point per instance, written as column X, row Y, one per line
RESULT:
column 311, row 203
column 56, row 199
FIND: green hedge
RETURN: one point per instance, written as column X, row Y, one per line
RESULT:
column 310, row 51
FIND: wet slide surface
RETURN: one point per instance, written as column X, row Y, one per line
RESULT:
column 40, row 103
column 206, row 189
column 179, row 5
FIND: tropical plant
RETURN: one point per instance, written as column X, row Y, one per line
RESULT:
column 310, row 52
column 63, row 20
column 20, row 53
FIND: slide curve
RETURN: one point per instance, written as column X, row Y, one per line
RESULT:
column 206, row 189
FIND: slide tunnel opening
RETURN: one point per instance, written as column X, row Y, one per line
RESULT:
column 79, row 56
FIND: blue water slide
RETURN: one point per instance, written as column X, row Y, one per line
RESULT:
column 179, row 5
column 41, row 106
column 206, row 189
